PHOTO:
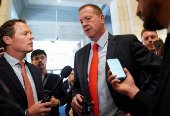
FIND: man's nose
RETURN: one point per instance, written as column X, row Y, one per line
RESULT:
column 150, row 39
column 84, row 24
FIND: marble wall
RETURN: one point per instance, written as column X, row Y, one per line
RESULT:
column 5, row 10
column 125, row 21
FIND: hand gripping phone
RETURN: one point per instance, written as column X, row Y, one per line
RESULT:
column 116, row 68
column 157, row 44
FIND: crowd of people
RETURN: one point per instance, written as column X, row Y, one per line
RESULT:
column 144, row 92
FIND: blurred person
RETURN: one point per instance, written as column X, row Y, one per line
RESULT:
column 59, row 98
column 65, row 72
column 155, row 14
column 147, row 39
column 21, row 78
column 92, row 57
column 149, row 83
column 69, row 110
column 8, row 106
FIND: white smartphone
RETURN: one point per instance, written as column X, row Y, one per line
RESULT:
column 116, row 68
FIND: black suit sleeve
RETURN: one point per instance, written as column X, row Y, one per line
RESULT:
column 7, row 106
column 147, row 60
column 142, row 103
column 76, row 85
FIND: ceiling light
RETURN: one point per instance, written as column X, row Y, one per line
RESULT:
column 59, row 0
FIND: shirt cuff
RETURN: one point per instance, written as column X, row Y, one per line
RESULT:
column 58, row 102
column 26, row 112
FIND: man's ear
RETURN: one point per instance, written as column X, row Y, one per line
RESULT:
column 102, row 18
column 7, row 40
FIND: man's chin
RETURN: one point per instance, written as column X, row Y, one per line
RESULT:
column 152, row 25
column 40, row 67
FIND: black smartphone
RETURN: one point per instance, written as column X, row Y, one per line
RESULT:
column 116, row 68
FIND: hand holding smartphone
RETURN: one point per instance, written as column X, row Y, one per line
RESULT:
column 116, row 68
column 157, row 44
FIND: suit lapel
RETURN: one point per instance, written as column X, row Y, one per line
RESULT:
column 85, row 67
column 110, row 50
column 7, row 69
column 110, row 55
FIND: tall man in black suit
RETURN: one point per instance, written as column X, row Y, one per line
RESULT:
column 59, row 98
column 155, row 14
column 16, row 38
column 131, row 53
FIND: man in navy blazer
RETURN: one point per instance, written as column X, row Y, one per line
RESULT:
column 155, row 14
column 16, row 38
column 130, row 52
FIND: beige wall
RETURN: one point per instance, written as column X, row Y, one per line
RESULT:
column 5, row 10
column 125, row 21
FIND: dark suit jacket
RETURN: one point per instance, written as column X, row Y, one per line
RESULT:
column 59, row 93
column 7, row 105
column 132, row 55
column 11, row 80
column 159, row 103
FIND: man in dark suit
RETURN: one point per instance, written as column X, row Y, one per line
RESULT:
column 59, row 98
column 16, row 38
column 131, row 53
column 155, row 14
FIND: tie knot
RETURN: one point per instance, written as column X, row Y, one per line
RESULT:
column 95, row 46
column 21, row 64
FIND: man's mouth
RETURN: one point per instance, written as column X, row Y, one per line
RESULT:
column 151, row 45
column 87, row 30
column 40, row 64
column 31, row 43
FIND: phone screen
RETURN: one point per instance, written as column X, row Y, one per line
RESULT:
column 116, row 68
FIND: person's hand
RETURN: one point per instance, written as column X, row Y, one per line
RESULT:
column 160, row 52
column 1, row 53
column 126, row 87
column 40, row 109
column 71, row 112
column 54, row 101
column 75, row 104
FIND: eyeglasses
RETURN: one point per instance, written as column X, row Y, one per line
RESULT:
column 37, row 58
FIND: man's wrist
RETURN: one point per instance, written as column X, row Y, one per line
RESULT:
column 132, row 92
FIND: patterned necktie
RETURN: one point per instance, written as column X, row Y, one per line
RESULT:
column 93, row 80
column 28, row 88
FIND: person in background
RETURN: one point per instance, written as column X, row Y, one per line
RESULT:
column 147, row 38
column 59, row 98
column 65, row 72
column 69, row 110
column 90, row 66
column 155, row 14
column 148, row 82
column 21, row 78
